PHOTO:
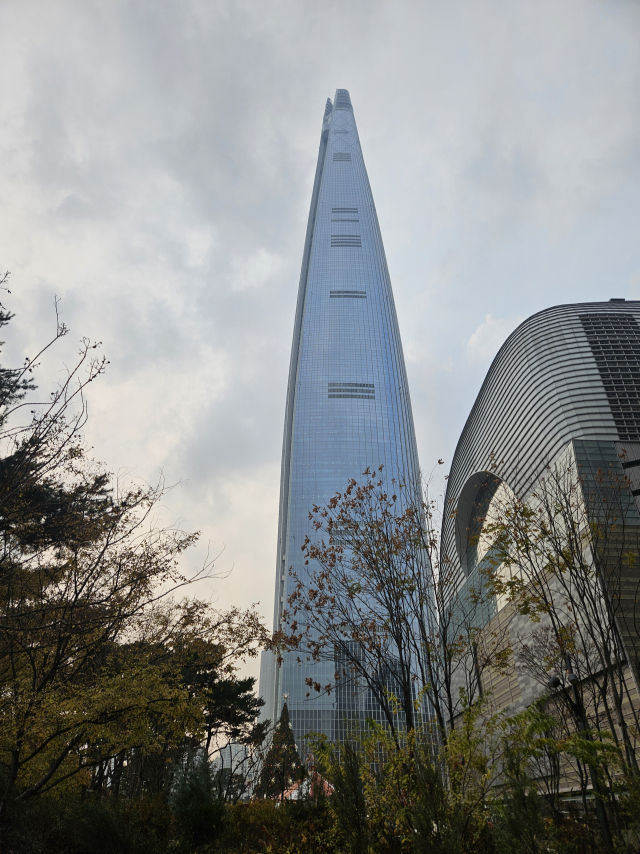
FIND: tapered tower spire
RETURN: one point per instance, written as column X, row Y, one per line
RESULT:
column 348, row 405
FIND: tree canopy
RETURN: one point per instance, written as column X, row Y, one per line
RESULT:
column 108, row 671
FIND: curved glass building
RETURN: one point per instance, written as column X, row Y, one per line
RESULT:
column 348, row 403
column 566, row 382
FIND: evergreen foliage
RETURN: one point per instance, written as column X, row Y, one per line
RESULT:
column 282, row 767
column 198, row 811
column 14, row 382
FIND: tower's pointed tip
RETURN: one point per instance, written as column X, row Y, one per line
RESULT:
column 343, row 100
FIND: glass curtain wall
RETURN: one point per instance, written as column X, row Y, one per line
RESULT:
column 348, row 403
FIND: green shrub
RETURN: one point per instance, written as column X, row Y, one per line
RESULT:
column 73, row 825
column 269, row 827
column 198, row 812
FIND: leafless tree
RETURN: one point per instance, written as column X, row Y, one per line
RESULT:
column 380, row 601
column 568, row 558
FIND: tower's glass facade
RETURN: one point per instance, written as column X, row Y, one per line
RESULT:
column 348, row 403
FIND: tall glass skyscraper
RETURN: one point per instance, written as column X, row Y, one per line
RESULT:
column 348, row 403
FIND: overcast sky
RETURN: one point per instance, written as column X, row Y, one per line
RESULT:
column 156, row 164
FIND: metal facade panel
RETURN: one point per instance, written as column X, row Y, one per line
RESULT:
column 543, row 389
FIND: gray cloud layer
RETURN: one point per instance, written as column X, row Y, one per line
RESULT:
column 155, row 170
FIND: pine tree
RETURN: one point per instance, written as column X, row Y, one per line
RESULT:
column 282, row 767
column 198, row 811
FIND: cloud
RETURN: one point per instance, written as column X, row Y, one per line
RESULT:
column 156, row 165
column 256, row 270
column 485, row 342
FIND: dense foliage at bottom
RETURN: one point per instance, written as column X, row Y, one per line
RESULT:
column 151, row 825
column 370, row 795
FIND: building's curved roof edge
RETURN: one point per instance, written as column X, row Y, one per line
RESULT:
column 618, row 305
column 554, row 308
column 518, row 330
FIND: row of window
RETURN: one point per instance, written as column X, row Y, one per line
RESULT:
column 614, row 340
column 352, row 396
column 343, row 101
column 353, row 240
column 355, row 391
column 352, row 385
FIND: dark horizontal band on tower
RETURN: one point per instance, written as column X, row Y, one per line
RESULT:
column 353, row 396
column 353, row 240
column 341, row 155
column 343, row 100
column 352, row 391
column 348, row 294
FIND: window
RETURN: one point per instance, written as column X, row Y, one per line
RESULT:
column 615, row 343
column 352, row 240
column 343, row 101
column 353, row 391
